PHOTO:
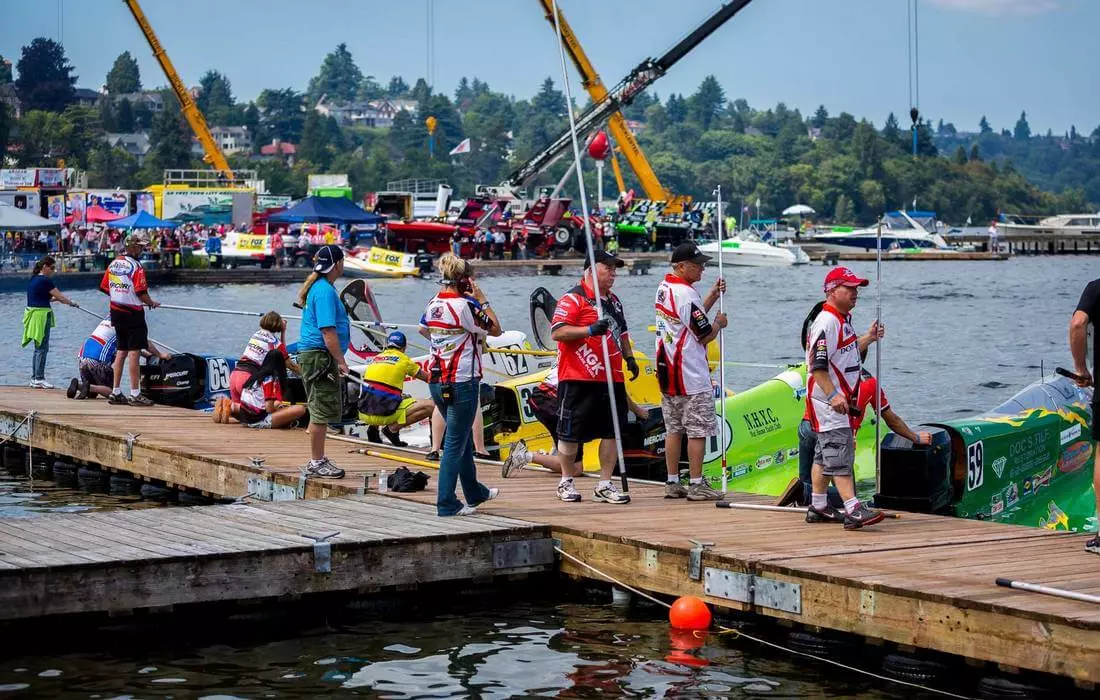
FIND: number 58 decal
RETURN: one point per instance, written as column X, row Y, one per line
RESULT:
column 975, row 466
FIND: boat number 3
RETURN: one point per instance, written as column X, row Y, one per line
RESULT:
column 525, row 409
column 217, row 374
column 975, row 467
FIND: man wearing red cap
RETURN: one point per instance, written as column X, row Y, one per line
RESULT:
column 833, row 359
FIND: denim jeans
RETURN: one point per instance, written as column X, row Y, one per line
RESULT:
column 457, row 463
column 807, row 439
column 38, row 362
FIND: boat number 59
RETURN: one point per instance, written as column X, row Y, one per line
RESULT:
column 975, row 467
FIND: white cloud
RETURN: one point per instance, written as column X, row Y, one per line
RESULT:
column 1000, row 7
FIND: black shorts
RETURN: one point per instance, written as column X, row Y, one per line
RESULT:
column 1095, row 417
column 249, row 415
column 545, row 408
column 584, row 411
column 130, row 329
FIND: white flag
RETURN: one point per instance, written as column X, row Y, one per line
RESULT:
column 463, row 147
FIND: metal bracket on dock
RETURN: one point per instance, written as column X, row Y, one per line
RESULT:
column 17, row 430
column 322, row 552
column 303, row 475
column 262, row 487
column 520, row 553
column 754, row 590
column 695, row 559
column 131, row 438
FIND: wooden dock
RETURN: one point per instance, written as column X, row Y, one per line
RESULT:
column 921, row 581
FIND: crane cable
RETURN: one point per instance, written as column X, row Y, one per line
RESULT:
column 591, row 250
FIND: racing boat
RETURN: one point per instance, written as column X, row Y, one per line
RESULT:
column 379, row 263
column 1025, row 462
column 750, row 251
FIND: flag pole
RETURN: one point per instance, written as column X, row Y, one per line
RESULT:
column 878, row 355
column 721, row 351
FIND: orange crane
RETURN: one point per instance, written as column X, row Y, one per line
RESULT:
column 213, row 154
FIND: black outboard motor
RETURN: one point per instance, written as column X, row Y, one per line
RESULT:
column 177, row 381
column 916, row 478
column 644, row 446
column 424, row 262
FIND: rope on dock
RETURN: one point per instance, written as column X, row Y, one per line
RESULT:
column 722, row 630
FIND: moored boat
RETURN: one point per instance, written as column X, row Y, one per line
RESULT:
column 750, row 251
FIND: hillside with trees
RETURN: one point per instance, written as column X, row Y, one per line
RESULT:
column 847, row 169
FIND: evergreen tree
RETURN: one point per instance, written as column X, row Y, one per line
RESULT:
column 463, row 94
column 45, row 79
column 548, row 101
column 315, row 141
column 984, row 126
column 820, row 117
column 707, row 102
column 338, row 79
column 215, row 98
column 281, row 114
column 7, row 118
column 397, row 86
column 44, row 139
column 975, row 154
column 843, row 211
column 5, row 71
column 171, row 143
column 108, row 115
column 890, row 130
column 421, row 91
column 960, row 156
column 1022, row 132
column 676, row 109
column 124, row 122
column 124, row 76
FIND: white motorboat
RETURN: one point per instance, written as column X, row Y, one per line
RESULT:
column 750, row 251
column 901, row 230
column 1059, row 225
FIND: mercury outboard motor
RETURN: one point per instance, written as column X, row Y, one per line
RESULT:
column 916, row 478
column 644, row 446
column 177, row 381
column 424, row 263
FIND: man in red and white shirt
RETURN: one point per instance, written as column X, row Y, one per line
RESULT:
column 833, row 352
column 124, row 281
column 683, row 373
column 584, row 403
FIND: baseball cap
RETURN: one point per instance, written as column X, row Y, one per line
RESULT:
column 842, row 276
column 133, row 240
column 689, row 252
column 326, row 258
column 604, row 258
column 396, row 340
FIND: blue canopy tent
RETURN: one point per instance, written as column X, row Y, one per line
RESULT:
column 142, row 219
column 328, row 210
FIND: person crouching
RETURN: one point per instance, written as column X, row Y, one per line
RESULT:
column 258, row 381
column 381, row 398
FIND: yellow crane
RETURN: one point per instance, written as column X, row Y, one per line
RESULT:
column 213, row 154
column 616, row 123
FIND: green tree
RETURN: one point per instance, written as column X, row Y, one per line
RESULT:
column 44, row 139
column 984, row 126
column 339, row 78
column 112, row 167
column 125, row 120
column 960, row 155
column 45, row 79
column 549, row 101
column 890, row 130
column 281, row 114
column 252, row 123
column 6, row 119
column 707, row 102
column 843, row 211
column 5, row 71
column 975, row 154
column 314, row 147
column 820, row 117
column 397, row 86
column 215, row 98
column 421, row 91
column 1022, row 132
column 86, row 133
column 108, row 116
column 170, row 138
column 676, row 108
column 124, row 76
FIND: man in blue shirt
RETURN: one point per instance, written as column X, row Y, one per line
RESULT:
column 325, row 335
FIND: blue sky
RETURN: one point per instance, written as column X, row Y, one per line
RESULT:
column 992, row 57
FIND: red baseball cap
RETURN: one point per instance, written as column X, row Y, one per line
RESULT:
column 842, row 276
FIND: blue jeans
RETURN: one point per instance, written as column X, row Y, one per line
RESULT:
column 38, row 362
column 457, row 463
column 807, row 439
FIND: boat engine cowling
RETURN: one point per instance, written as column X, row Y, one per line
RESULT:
column 916, row 478
column 177, row 381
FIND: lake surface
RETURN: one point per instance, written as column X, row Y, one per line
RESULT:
column 961, row 337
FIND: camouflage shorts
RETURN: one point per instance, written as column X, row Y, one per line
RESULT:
column 692, row 414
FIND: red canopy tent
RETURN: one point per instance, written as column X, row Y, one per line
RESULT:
column 95, row 215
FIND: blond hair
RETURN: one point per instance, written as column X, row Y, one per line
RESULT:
column 453, row 268
column 271, row 321
column 304, row 291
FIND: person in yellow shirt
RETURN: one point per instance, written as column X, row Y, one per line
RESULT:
column 382, row 402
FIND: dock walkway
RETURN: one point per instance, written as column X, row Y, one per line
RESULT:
column 922, row 581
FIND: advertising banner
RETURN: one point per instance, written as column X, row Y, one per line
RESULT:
column 55, row 208
column 116, row 202
column 51, row 177
column 144, row 201
column 272, row 201
column 11, row 178
column 208, row 207
column 75, row 206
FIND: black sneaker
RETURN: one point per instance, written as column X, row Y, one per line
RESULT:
column 483, row 455
column 325, row 470
column 862, row 517
column 394, row 438
column 826, row 515
column 372, row 434
column 84, row 391
column 117, row 400
column 139, row 400
column 1093, row 545
column 432, row 456
column 74, row 386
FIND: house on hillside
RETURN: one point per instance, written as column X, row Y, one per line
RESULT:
column 279, row 150
column 151, row 99
column 136, row 144
column 83, row 97
column 10, row 97
column 230, row 139
column 375, row 114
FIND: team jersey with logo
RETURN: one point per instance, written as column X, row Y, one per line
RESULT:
column 260, row 344
column 831, row 344
column 582, row 360
column 456, row 326
column 256, row 396
column 389, row 368
column 101, row 345
column 682, row 368
column 866, row 399
column 124, row 280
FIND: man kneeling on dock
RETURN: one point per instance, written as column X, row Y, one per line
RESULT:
column 381, row 399
column 97, row 358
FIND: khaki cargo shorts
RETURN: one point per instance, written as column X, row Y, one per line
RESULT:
column 835, row 451
column 692, row 414
column 322, row 383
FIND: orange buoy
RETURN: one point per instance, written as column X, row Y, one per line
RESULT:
column 689, row 613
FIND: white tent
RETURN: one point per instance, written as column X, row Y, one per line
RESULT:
column 798, row 210
column 13, row 219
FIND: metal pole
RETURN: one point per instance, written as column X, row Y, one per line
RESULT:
column 1047, row 590
column 599, row 186
column 721, row 351
column 878, row 356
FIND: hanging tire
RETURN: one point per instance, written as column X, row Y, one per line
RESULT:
column 997, row 687
column 187, row 498
column 15, row 457
column 160, row 494
column 909, row 668
column 92, row 479
column 123, row 485
column 42, row 468
column 809, row 643
column 64, row 474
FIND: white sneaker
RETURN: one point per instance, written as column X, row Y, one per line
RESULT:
column 467, row 510
column 36, row 384
column 41, row 384
column 518, row 457
column 609, row 494
column 568, row 492
column 493, row 493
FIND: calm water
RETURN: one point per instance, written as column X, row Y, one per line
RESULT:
column 961, row 337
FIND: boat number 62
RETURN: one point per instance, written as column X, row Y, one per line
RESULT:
column 975, row 466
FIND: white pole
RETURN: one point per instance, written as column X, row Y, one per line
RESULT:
column 1048, row 590
column 591, row 250
column 721, row 351
column 599, row 186
column 878, row 356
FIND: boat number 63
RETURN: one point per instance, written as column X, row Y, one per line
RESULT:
column 975, row 466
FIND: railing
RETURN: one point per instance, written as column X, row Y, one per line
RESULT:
column 210, row 179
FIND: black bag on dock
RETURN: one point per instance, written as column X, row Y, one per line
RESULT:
column 404, row 481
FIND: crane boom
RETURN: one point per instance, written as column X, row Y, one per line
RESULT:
column 213, row 154
column 616, row 123
column 644, row 75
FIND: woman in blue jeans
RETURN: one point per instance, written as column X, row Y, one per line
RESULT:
column 456, row 322
column 38, row 317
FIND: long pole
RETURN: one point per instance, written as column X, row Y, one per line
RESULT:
column 878, row 355
column 1048, row 590
column 591, row 249
column 721, row 350
column 151, row 340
